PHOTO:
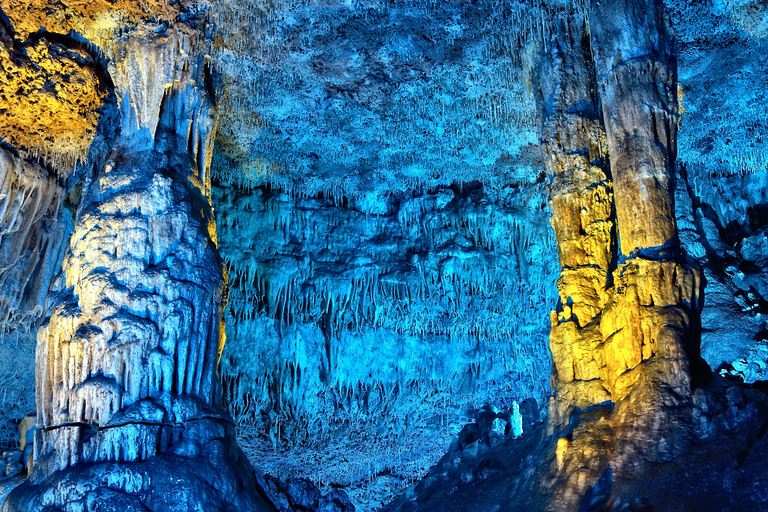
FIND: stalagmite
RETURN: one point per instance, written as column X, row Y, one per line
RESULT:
column 629, row 301
column 128, row 400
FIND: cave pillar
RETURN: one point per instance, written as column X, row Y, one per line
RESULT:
column 636, row 79
column 628, row 300
column 575, row 153
column 129, row 354
column 128, row 397
column 656, row 301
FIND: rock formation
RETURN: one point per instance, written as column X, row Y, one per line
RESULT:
column 629, row 301
column 56, row 90
column 128, row 398
column 612, row 171
column 630, row 399
column 380, row 187
column 32, row 236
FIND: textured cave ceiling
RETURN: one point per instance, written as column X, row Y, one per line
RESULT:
column 374, row 99
column 413, row 93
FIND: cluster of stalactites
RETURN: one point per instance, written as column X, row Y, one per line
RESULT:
column 608, row 133
column 33, row 230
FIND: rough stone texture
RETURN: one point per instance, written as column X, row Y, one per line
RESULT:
column 369, row 334
column 53, row 95
column 363, row 99
column 143, row 288
column 126, row 366
column 646, row 310
column 32, row 234
column 575, row 153
column 719, row 466
column 621, row 340
column 98, row 20
column 636, row 79
column 372, row 162
column 358, row 114
column 53, row 91
column 723, row 156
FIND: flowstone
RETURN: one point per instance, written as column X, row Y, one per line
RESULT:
column 128, row 397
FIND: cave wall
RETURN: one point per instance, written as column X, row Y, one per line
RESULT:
column 722, row 160
column 430, row 81
column 382, row 213
column 380, row 331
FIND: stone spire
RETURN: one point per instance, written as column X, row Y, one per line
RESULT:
column 629, row 302
column 128, row 397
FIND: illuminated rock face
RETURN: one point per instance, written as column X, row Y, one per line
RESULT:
column 33, row 231
column 86, row 16
column 31, row 236
column 611, row 173
column 629, row 302
column 141, row 325
column 583, row 217
column 53, row 92
column 346, row 336
column 126, row 366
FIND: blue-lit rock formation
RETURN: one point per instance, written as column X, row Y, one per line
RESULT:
column 128, row 399
column 382, row 212
column 632, row 403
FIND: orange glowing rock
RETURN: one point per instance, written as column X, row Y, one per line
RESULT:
column 85, row 16
column 49, row 100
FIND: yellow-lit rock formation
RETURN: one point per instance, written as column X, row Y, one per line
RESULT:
column 610, row 171
column 85, row 16
column 629, row 301
column 50, row 94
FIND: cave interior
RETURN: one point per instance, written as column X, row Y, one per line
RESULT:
column 383, row 255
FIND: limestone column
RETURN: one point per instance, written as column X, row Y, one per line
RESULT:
column 636, row 68
column 629, row 300
column 657, row 294
column 581, row 200
column 128, row 397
